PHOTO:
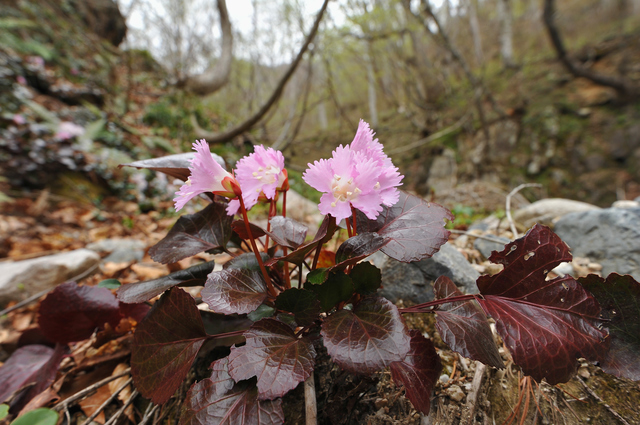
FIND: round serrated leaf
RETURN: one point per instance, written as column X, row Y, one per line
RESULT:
column 367, row 339
column 275, row 356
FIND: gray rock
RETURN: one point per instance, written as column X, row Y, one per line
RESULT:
column 486, row 247
column 414, row 281
column 610, row 237
column 21, row 279
column 547, row 211
column 449, row 262
column 303, row 210
column 120, row 250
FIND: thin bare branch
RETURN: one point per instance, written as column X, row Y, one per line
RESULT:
column 212, row 137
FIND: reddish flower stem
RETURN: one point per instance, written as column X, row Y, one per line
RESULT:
column 267, row 279
column 425, row 307
column 349, row 231
column 287, row 276
column 272, row 213
column 353, row 212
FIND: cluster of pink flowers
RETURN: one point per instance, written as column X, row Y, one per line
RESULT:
column 258, row 176
column 359, row 175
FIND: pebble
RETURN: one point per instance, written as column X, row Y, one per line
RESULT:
column 455, row 393
column 444, row 379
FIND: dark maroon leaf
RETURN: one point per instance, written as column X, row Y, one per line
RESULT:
column 31, row 364
column 413, row 227
column 194, row 233
column 71, row 312
column 418, row 372
column 619, row 297
column 165, row 344
column 545, row 324
column 302, row 303
column 219, row 400
column 134, row 311
column 464, row 327
column 287, row 232
column 143, row 291
column 275, row 356
column 246, row 261
column 241, row 229
column 325, row 232
column 46, row 376
column 336, row 288
column 176, row 166
column 234, row 291
column 358, row 247
column 366, row 278
column 367, row 339
column 215, row 324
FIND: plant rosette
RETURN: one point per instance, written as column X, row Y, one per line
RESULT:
column 287, row 301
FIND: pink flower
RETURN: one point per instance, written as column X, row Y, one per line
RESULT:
column 260, row 175
column 359, row 176
column 18, row 119
column 206, row 176
column 68, row 130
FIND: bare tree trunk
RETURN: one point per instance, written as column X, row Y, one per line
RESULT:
column 475, row 83
column 212, row 137
column 506, row 33
column 625, row 89
column 373, row 101
column 475, row 31
column 217, row 75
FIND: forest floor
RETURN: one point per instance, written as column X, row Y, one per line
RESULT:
column 46, row 224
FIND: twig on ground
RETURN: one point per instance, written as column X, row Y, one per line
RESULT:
column 472, row 396
column 149, row 413
column 311, row 410
column 601, row 401
column 80, row 394
column 508, row 205
column 106, row 403
column 120, row 411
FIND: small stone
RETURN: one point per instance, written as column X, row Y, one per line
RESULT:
column 584, row 372
column 444, row 379
column 381, row 402
column 455, row 393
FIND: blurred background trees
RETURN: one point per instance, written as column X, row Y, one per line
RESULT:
column 476, row 85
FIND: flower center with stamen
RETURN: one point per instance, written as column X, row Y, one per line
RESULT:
column 343, row 189
column 268, row 175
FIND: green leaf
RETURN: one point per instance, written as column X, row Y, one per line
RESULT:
column 302, row 303
column 42, row 416
column 317, row 276
column 4, row 411
column 13, row 23
column 366, row 278
column 261, row 312
column 110, row 284
column 338, row 287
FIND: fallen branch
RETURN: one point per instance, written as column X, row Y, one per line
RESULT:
column 508, row 205
column 80, row 394
column 431, row 138
column 601, row 401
